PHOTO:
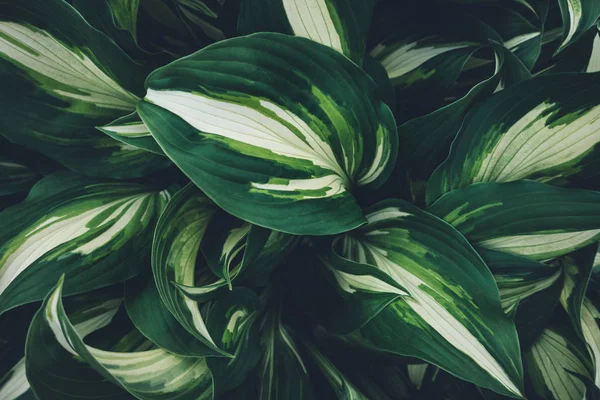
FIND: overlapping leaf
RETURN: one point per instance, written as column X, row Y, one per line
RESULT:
column 446, row 308
column 146, row 374
column 278, row 134
column 95, row 232
column 61, row 78
column 545, row 129
column 513, row 217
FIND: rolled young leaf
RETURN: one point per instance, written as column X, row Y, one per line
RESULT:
column 577, row 16
column 62, row 78
column 89, row 312
column 340, row 24
column 577, row 268
column 276, row 130
column 451, row 314
column 95, row 232
column 175, row 248
column 514, row 218
column 547, row 129
column 131, row 130
column 147, row 375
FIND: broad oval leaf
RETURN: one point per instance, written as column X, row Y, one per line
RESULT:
column 450, row 313
column 148, row 374
column 513, row 217
column 61, row 78
column 340, row 24
column 277, row 130
column 547, row 129
column 95, row 232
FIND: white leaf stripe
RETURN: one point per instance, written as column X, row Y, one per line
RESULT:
column 74, row 74
column 250, row 126
column 540, row 246
column 146, row 374
column 512, row 291
column 132, row 130
column 553, row 358
column 590, row 317
column 516, row 41
column 63, row 226
column 441, row 320
column 16, row 385
column 594, row 63
column 312, row 19
column 575, row 14
column 405, row 57
column 533, row 144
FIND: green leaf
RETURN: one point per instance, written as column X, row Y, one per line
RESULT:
column 125, row 14
column 594, row 61
column 282, row 373
column 280, row 144
column 450, row 313
column 578, row 16
column 95, row 232
column 344, row 388
column 590, row 324
column 56, row 374
column 177, row 240
column 148, row 374
column 131, row 130
column 545, row 129
column 550, row 361
column 514, row 217
column 154, row 320
column 61, row 78
column 340, row 24
column 577, row 268
column 424, row 54
column 15, row 177
column 232, row 319
column 426, row 140
column 518, row 277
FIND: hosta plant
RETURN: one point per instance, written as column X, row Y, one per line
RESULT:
column 299, row 199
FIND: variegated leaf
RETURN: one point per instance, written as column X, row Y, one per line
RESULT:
column 131, row 130
column 547, row 129
column 590, row 324
column 343, row 388
column 577, row 268
column 450, row 314
column 280, row 144
column 147, row 374
column 89, row 312
column 66, row 78
column 578, row 16
column 154, row 320
column 181, row 271
column 552, row 359
column 518, row 277
column 95, row 232
column 513, row 217
column 342, row 25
